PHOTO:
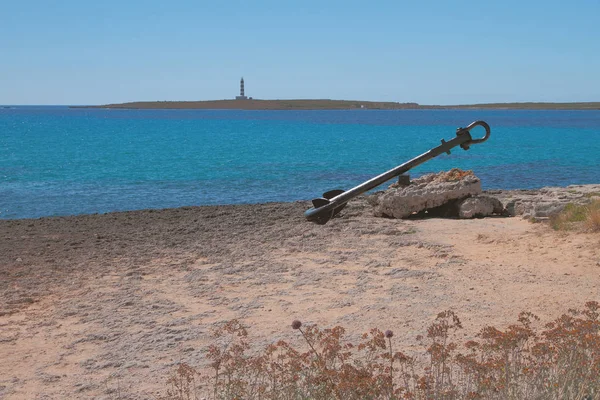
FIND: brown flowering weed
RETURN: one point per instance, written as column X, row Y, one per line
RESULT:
column 526, row 360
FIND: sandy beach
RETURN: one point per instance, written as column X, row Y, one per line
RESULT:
column 104, row 306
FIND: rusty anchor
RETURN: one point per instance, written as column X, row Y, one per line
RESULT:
column 326, row 207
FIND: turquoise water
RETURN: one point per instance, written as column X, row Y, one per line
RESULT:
column 61, row 161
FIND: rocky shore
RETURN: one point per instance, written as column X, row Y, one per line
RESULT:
column 458, row 194
column 544, row 202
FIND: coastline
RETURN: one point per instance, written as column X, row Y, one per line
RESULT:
column 550, row 195
column 325, row 104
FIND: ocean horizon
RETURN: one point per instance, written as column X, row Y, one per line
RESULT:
column 57, row 161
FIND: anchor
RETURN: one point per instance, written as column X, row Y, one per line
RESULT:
column 326, row 207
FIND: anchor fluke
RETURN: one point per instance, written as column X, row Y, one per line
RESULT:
column 323, row 209
column 332, row 193
column 320, row 202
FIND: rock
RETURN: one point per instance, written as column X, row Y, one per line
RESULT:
column 479, row 206
column 426, row 192
column 545, row 202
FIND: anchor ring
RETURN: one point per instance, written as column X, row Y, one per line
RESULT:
column 473, row 125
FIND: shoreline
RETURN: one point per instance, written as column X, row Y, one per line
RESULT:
column 505, row 195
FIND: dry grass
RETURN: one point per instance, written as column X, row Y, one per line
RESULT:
column 560, row 360
column 573, row 217
column 592, row 221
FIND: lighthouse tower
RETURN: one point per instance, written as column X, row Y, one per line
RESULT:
column 241, row 96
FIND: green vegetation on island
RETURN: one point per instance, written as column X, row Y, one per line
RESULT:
column 324, row 104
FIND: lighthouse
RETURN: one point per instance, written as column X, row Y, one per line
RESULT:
column 241, row 96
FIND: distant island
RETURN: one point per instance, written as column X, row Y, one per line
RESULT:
column 323, row 104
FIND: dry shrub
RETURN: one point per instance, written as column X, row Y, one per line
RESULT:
column 560, row 360
column 592, row 221
column 182, row 383
column 568, row 218
column 586, row 217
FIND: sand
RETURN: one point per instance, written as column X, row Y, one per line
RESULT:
column 104, row 306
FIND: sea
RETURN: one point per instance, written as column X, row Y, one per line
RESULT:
column 56, row 160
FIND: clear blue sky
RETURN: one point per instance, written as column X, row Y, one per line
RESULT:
column 430, row 52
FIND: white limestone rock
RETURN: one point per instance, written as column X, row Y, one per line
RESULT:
column 545, row 202
column 429, row 191
column 479, row 206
